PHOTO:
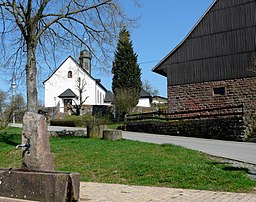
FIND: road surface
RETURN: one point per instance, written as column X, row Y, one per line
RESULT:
column 239, row 151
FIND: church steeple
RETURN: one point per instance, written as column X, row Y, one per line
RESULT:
column 85, row 60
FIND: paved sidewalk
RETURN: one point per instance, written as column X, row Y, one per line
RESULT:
column 99, row 192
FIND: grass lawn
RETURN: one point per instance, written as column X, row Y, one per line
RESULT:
column 134, row 163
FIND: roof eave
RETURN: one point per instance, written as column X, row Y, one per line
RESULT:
column 58, row 68
column 160, row 71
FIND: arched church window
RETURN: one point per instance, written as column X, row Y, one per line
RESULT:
column 69, row 74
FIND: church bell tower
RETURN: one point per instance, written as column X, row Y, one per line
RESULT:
column 85, row 60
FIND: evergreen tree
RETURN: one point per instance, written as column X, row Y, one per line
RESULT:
column 126, row 74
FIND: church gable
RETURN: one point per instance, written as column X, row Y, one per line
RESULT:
column 62, row 71
column 62, row 86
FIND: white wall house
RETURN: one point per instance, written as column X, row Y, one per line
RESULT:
column 61, row 88
column 158, row 100
column 144, row 100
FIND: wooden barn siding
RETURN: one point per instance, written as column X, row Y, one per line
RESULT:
column 222, row 4
column 228, row 19
column 211, row 69
column 228, row 43
column 220, row 47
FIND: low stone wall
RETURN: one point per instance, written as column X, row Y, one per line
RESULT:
column 221, row 128
column 68, row 133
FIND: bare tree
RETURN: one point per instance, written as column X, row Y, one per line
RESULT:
column 6, row 109
column 80, row 86
column 39, row 28
column 149, row 88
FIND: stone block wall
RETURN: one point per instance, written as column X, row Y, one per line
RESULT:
column 232, row 128
column 201, row 95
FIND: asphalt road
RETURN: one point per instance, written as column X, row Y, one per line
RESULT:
column 240, row 151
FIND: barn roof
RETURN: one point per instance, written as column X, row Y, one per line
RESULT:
column 219, row 47
column 162, row 71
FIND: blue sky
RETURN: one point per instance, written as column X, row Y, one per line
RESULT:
column 162, row 26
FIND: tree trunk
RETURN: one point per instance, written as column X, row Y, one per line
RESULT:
column 31, row 71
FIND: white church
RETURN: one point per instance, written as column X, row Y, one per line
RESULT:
column 61, row 88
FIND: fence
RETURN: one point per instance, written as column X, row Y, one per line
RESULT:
column 227, row 111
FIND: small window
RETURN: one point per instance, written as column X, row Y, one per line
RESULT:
column 98, row 96
column 219, row 91
column 69, row 74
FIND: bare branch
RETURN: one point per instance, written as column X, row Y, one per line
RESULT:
column 47, row 26
column 16, row 15
column 38, row 16
column 66, row 15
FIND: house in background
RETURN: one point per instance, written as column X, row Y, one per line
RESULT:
column 61, row 88
column 211, row 66
column 144, row 101
column 109, row 98
column 159, row 100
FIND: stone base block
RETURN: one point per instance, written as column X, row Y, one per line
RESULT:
column 96, row 131
column 39, row 186
column 112, row 135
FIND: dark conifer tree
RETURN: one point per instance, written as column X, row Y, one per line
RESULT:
column 126, row 73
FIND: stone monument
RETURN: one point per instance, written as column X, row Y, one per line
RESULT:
column 36, row 153
column 36, row 180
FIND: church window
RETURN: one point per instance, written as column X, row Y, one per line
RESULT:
column 69, row 74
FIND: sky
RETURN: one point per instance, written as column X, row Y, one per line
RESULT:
column 163, row 24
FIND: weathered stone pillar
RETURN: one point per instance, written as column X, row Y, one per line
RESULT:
column 36, row 155
column 112, row 135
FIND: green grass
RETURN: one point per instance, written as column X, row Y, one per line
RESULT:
column 135, row 163
column 115, row 125
column 9, row 157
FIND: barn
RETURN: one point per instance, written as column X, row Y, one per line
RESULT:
column 214, row 66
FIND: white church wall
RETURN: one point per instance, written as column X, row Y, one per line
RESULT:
column 59, row 82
